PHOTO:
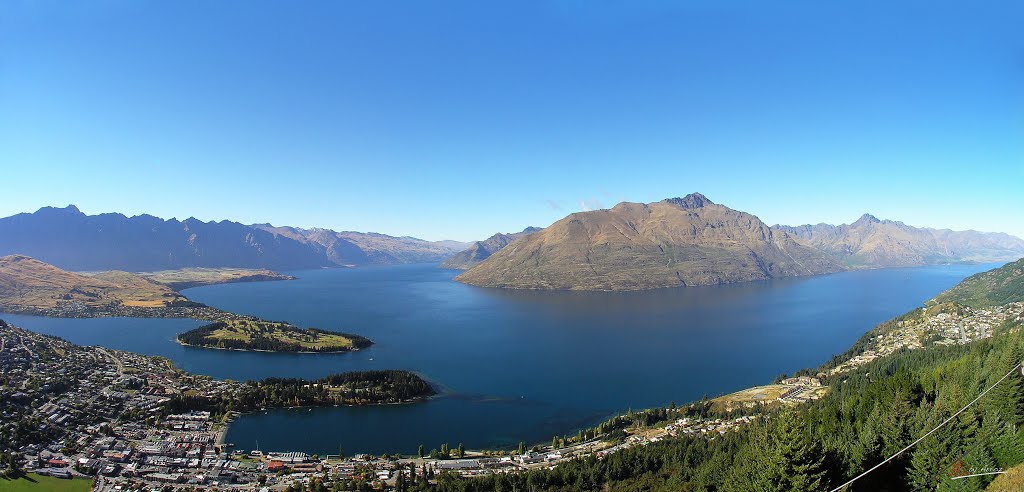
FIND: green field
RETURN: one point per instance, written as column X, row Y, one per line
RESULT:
column 33, row 482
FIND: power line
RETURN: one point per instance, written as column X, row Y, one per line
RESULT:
column 951, row 417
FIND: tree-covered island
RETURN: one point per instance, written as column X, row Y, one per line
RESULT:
column 270, row 336
column 349, row 388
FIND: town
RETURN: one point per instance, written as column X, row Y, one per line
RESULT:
column 948, row 324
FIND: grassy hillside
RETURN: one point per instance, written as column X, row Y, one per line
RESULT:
column 991, row 288
column 27, row 282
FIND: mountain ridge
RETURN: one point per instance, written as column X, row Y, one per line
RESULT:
column 605, row 249
column 481, row 250
column 72, row 240
column 635, row 246
column 870, row 242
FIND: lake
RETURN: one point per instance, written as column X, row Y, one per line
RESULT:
column 519, row 365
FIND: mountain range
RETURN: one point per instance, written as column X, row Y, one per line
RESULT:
column 873, row 243
column 633, row 246
column 481, row 250
column 693, row 241
column 72, row 240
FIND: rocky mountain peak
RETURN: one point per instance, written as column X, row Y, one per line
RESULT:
column 691, row 201
column 867, row 219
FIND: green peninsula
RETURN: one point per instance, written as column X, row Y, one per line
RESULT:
column 270, row 336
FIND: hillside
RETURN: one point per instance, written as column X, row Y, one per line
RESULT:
column 633, row 246
column 27, row 282
column 481, row 250
column 991, row 288
column 873, row 243
column 72, row 240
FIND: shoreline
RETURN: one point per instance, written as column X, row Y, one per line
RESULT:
column 198, row 313
column 183, row 344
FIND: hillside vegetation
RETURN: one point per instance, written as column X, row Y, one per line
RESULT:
column 991, row 288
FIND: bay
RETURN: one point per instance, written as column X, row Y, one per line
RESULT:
column 518, row 365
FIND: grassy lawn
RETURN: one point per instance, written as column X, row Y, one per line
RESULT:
column 760, row 394
column 33, row 482
column 768, row 395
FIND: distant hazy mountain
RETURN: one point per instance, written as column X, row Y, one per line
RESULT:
column 71, row 240
column 481, row 250
column 873, row 243
column 359, row 248
column 675, row 242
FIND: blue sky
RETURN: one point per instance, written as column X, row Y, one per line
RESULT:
column 460, row 119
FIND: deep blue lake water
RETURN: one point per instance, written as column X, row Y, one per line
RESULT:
column 519, row 365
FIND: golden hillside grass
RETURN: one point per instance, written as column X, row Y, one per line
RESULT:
column 28, row 282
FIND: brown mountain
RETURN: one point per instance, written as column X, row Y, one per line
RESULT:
column 481, row 250
column 633, row 246
column 29, row 283
column 873, row 243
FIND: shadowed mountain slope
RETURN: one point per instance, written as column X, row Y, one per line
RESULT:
column 72, row 240
column 481, row 250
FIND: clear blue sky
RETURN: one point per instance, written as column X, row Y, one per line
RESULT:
column 459, row 119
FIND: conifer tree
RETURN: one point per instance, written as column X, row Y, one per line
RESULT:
column 794, row 461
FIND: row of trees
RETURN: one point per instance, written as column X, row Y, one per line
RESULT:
column 445, row 452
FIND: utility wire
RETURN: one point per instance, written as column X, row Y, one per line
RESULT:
column 951, row 417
